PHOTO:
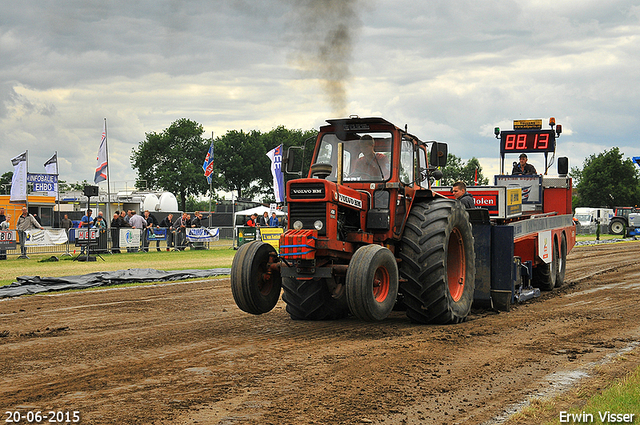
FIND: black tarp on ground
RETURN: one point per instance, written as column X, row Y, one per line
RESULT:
column 35, row 284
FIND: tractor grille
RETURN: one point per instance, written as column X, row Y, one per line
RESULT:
column 306, row 191
column 308, row 213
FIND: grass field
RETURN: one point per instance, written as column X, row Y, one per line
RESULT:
column 173, row 260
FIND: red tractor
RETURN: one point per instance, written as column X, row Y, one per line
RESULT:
column 367, row 234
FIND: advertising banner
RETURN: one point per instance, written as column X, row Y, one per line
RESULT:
column 49, row 237
column 130, row 238
column 271, row 235
column 203, row 234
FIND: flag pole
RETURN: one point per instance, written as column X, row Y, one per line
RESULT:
column 27, row 184
column 58, row 188
column 106, row 145
column 210, row 184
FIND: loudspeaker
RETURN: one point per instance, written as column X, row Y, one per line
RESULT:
column 91, row 191
column 563, row 166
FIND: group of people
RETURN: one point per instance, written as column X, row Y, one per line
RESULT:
column 263, row 221
column 176, row 235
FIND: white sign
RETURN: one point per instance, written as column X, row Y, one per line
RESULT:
column 544, row 246
column 130, row 238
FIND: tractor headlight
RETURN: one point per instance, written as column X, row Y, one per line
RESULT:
column 318, row 225
column 297, row 225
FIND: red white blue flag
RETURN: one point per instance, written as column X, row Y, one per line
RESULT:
column 101, row 169
column 208, row 164
column 275, row 155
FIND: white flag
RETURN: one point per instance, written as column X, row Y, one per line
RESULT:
column 19, row 180
column 275, row 155
column 51, row 167
column 101, row 169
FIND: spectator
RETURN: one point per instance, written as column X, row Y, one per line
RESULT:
column 4, row 225
column 151, row 223
column 136, row 221
column 264, row 220
column 115, row 233
column 167, row 223
column 197, row 220
column 25, row 222
column 66, row 223
column 459, row 191
column 37, row 218
column 181, row 225
column 86, row 222
column 252, row 220
column 273, row 221
column 100, row 224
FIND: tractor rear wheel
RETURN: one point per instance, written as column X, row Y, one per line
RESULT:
column 255, row 289
column 562, row 261
column 314, row 299
column 617, row 227
column 438, row 262
column 372, row 283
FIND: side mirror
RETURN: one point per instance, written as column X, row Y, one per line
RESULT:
column 438, row 154
column 293, row 160
column 563, row 166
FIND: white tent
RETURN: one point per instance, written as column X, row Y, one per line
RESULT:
column 241, row 217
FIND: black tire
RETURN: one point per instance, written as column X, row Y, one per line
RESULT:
column 254, row 290
column 562, row 262
column 372, row 283
column 617, row 227
column 438, row 262
column 545, row 274
column 314, row 299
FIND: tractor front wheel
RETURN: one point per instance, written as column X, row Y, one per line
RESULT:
column 372, row 283
column 255, row 288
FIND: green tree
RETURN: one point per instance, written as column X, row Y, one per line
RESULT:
column 242, row 164
column 455, row 170
column 5, row 182
column 607, row 180
column 239, row 160
column 172, row 160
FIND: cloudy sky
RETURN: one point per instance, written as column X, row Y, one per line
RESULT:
column 452, row 70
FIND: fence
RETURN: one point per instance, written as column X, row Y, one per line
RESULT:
column 104, row 244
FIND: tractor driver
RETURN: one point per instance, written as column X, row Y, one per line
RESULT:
column 371, row 165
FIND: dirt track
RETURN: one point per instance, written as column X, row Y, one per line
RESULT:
column 185, row 354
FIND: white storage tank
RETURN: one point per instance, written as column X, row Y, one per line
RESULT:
column 168, row 202
column 151, row 203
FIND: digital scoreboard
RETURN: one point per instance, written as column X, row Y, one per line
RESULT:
column 522, row 141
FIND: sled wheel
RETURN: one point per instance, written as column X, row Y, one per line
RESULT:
column 562, row 261
column 372, row 283
column 314, row 299
column 255, row 289
column 545, row 274
column 438, row 262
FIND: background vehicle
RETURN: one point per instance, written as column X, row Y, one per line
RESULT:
column 588, row 218
column 362, row 241
column 620, row 221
